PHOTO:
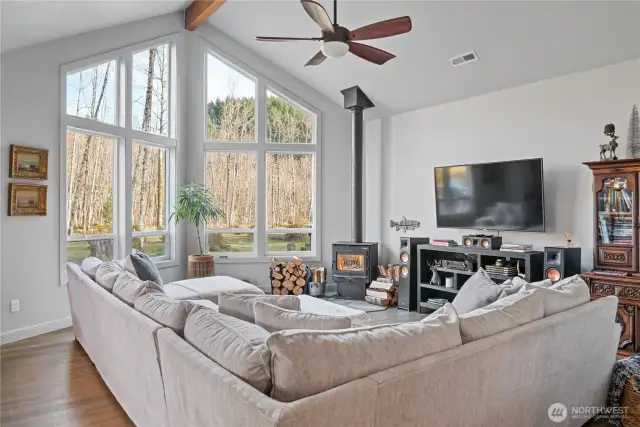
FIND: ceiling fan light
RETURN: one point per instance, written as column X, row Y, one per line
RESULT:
column 334, row 49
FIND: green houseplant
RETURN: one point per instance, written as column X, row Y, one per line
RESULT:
column 195, row 204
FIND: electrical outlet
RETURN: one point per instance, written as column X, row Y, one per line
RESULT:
column 15, row 305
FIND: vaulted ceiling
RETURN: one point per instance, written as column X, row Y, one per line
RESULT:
column 517, row 42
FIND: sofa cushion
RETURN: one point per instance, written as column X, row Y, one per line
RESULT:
column 164, row 310
column 128, row 287
column 204, row 303
column 210, row 287
column 273, row 318
column 502, row 315
column 304, row 363
column 515, row 284
column 234, row 344
column 90, row 265
column 563, row 295
column 107, row 274
column 240, row 306
column 179, row 292
column 143, row 267
column 478, row 291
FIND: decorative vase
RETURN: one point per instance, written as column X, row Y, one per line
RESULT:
column 200, row 266
column 633, row 136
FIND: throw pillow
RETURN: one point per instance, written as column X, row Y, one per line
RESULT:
column 563, row 295
column 274, row 319
column 478, row 291
column 304, row 363
column 234, row 344
column 164, row 310
column 502, row 315
column 128, row 287
column 240, row 306
column 90, row 265
column 143, row 267
column 107, row 274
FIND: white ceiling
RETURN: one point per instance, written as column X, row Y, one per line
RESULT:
column 517, row 43
column 29, row 22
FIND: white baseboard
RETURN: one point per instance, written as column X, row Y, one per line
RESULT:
column 35, row 330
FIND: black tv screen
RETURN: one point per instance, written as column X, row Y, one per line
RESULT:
column 505, row 196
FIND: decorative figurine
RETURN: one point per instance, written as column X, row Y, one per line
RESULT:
column 405, row 224
column 609, row 130
column 435, row 277
column 567, row 236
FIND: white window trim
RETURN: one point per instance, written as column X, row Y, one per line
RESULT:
column 261, row 147
column 124, row 133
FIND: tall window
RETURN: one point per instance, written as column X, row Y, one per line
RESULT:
column 261, row 154
column 119, row 132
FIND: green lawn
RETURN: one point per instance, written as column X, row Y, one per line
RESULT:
column 243, row 242
column 154, row 246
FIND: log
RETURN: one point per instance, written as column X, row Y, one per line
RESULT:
column 276, row 283
column 278, row 276
column 296, row 260
column 283, row 291
column 297, row 290
column 293, row 278
column 276, row 291
column 303, row 268
column 291, row 265
column 300, row 282
column 288, row 284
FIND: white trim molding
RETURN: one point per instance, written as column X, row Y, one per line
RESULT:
column 34, row 330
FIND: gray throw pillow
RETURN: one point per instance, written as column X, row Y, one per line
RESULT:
column 275, row 319
column 164, row 310
column 107, row 274
column 128, row 287
column 478, row 291
column 90, row 265
column 240, row 306
column 144, row 267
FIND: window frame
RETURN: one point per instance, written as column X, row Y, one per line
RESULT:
column 262, row 148
column 122, row 130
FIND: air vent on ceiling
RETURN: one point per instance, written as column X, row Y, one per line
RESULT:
column 463, row 59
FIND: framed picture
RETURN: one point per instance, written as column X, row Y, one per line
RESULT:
column 28, row 162
column 27, row 199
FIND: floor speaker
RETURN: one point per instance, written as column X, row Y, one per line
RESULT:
column 408, row 284
column 561, row 262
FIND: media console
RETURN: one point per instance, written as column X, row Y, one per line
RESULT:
column 530, row 265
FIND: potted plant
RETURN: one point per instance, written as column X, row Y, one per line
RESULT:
column 195, row 204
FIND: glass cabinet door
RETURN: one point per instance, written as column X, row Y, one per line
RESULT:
column 615, row 211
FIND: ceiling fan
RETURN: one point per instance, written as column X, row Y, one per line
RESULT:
column 337, row 40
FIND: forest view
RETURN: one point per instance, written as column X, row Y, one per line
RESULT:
column 230, row 175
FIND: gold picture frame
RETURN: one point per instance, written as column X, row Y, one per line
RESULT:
column 28, row 162
column 27, row 199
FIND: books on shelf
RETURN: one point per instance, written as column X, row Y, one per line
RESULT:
column 615, row 221
column 443, row 242
column 437, row 301
column 502, row 271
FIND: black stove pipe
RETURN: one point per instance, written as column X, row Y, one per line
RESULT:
column 356, row 101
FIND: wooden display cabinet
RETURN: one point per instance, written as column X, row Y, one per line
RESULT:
column 616, row 233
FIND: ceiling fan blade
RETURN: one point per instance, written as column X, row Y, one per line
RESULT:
column 286, row 39
column 318, row 14
column 370, row 53
column 317, row 59
column 388, row 28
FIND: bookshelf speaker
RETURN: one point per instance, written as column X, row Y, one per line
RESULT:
column 408, row 284
column 561, row 262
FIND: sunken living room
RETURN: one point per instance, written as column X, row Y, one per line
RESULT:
column 319, row 213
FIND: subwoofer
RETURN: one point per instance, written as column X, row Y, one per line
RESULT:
column 408, row 284
column 482, row 242
column 561, row 262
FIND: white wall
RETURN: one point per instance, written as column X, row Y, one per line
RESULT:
column 560, row 120
column 335, row 151
column 30, row 267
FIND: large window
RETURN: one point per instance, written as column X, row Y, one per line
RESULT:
column 119, row 132
column 261, row 158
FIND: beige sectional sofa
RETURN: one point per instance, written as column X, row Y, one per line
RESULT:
column 509, row 379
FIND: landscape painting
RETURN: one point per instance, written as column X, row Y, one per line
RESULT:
column 27, row 199
column 28, row 162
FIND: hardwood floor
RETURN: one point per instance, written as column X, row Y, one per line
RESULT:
column 48, row 381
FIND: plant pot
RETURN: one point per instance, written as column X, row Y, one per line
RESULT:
column 201, row 266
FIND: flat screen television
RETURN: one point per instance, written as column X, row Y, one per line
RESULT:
column 505, row 196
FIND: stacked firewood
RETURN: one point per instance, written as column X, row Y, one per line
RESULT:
column 288, row 277
column 383, row 290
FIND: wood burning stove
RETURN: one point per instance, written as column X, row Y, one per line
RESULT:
column 355, row 266
column 355, row 263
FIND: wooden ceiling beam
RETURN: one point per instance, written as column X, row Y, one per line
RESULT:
column 199, row 11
